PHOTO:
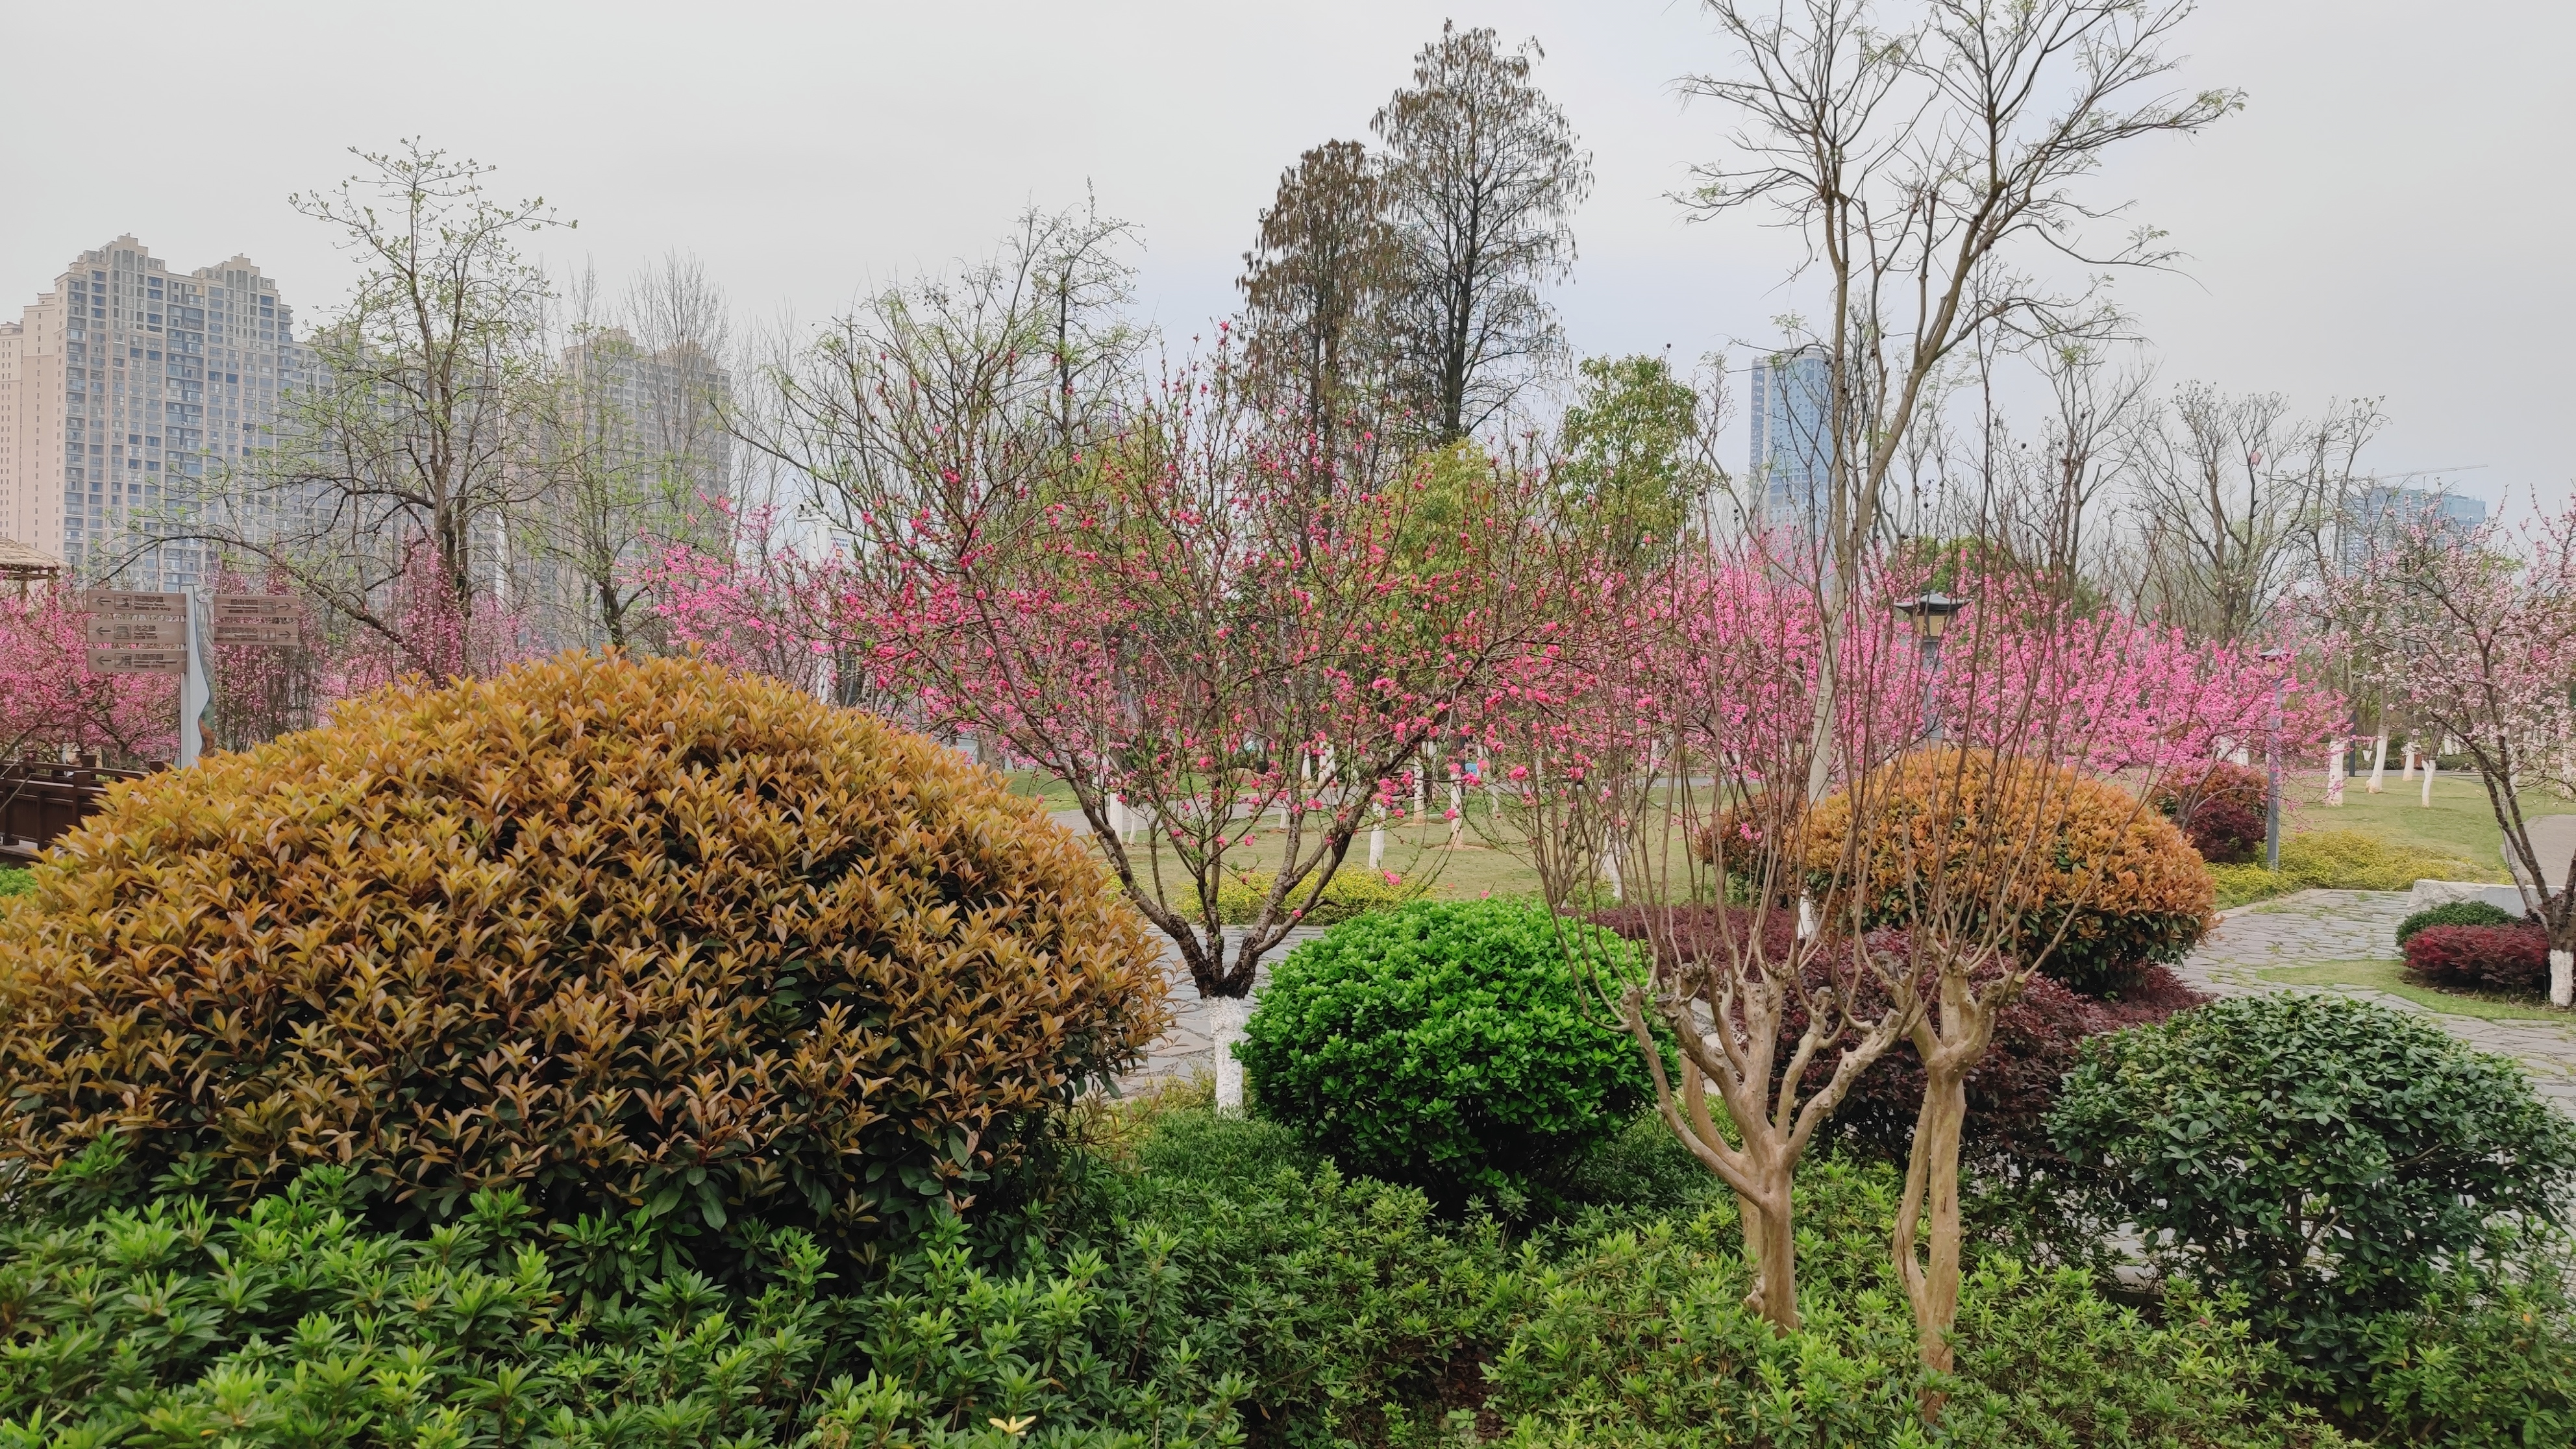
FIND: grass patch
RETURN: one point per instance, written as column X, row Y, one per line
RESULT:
column 2390, row 977
column 2344, row 860
column 2460, row 822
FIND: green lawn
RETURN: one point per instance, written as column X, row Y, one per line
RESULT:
column 2460, row 821
column 2385, row 976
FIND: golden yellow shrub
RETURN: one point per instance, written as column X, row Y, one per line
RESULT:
column 622, row 933
column 2037, row 840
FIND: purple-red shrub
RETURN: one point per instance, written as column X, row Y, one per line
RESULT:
column 2480, row 958
column 2220, row 812
column 2010, row 1093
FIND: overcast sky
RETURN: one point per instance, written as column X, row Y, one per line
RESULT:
column 2390, row 216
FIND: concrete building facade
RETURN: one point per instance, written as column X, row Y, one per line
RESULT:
column 127, row 392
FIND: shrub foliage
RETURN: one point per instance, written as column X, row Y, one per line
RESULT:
column 2122, row 883
column 2321, row 1154
column 1444, row 1044
column 2512, row 958
column 2453, row 913
column 2220, row 811
column 623, row 935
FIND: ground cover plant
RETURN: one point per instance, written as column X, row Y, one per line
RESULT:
column 1210, row 1286
column 1349, row 893
column 2342, row 860
column 624, row 935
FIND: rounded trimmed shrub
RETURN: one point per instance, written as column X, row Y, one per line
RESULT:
column 2512, row 958
column 2128, row 890
column 2322, row 1154
column 1445, row 1044
column 2454, row 913
column 2220, row 811
column 620, row 934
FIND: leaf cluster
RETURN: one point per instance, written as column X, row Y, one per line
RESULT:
column 291, row 1324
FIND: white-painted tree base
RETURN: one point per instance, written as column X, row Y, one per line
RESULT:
column 2562, row 978
column 1225, row 1027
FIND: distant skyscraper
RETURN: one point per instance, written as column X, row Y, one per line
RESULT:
column 2377, row 512
column 122, row 390
column 1791, row 420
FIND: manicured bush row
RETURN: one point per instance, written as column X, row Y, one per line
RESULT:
column 1351, row 892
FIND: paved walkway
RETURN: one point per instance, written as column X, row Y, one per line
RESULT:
column 2312, row 927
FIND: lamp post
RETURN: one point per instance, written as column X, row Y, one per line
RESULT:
column 1930, row 613
column 2272, row 760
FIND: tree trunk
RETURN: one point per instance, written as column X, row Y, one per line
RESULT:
column 1225, row 1028
column 1775, row 1272
column 1932, row 1199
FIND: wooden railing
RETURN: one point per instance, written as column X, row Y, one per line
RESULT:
column 40, row 802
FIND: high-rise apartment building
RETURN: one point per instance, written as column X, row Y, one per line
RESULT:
column 126, row 391
column 1791, row 420
column 2377, row 514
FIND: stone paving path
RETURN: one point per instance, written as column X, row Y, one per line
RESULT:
column 2319, row 926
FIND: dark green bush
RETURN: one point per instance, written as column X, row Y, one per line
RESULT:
column 2321, row 1155
column 2453, row 913
column 1446, row 1045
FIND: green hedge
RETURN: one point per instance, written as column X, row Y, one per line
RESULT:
column 2453, row 913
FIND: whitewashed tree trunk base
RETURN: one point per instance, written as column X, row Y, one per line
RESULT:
column 1225, row 1027
column 2562, row 979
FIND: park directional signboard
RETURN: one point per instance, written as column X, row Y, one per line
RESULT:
column 135, row 632
column 103, row 630
column 264, row 621
column 138, row 661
